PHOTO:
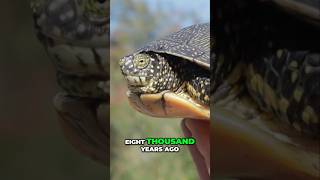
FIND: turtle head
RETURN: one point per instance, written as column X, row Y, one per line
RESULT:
column 150, row 72
column 141, row 71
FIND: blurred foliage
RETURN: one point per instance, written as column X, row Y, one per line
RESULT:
column 133, row 23
column 32, row 145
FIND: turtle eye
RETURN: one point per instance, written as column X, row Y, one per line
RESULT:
column 141, row 61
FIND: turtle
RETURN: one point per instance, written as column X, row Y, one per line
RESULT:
column 265, row 92
column 170, row 77
column 75, row 36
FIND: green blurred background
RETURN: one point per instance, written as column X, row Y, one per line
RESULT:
column 133, row 23
column 32, row 145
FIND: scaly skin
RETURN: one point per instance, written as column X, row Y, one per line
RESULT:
column 266, row 92
column 281, row 68
column 287, row 85
column 75, row 35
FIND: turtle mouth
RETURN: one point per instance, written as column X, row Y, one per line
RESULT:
column 137, row 81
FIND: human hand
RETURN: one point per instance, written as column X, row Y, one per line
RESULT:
column 200, row 152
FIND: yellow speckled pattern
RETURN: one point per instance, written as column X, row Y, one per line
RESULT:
column 281, row 85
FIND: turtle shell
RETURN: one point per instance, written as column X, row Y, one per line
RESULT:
column 191, row 43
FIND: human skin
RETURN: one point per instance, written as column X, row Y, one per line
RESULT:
column 200, row 152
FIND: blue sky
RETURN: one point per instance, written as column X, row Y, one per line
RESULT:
column 200, row 7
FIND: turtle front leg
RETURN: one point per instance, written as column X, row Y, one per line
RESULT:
column 85, row 124
column 199, row 88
